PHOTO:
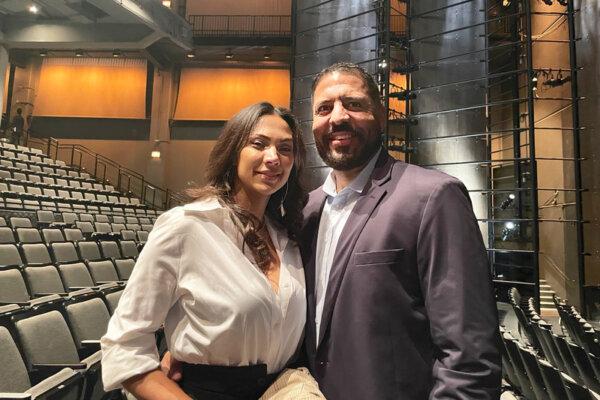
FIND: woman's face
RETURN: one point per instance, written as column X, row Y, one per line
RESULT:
column 265, row 162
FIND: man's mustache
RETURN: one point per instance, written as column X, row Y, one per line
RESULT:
column 342, row 128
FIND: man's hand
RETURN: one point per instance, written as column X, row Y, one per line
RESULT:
column 171, row 367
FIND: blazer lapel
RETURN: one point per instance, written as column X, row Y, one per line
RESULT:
column 363, row 209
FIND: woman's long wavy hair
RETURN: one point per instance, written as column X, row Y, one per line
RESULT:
column 222, row 171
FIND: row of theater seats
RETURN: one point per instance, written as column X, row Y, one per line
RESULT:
column 543, row 364
column 68, row 245
column 50, row 349
column 32, row 182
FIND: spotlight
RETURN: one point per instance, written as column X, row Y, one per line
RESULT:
column 510, row 231
column 78, row 53
column 191, row 54
column 116, row 53
column 43, row 53
column 229, row 54
column 33, row 9
column 534, row 80
column 507, row 203
column 155, row 154
column 267, row 55
column 512, row 196
column 506, row 3
column 166, row 3
column 383, row 64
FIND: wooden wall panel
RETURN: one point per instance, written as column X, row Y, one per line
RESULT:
column 218, row 93
column 236, row 7
column 104, row 88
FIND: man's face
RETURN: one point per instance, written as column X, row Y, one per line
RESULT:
column 347, row 123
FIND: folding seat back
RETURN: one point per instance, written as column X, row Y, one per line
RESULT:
column 19, row 176
column 35, row 168
column 48, row 170
column 102, row 218
column 124, row 267
column 60, row 163
column 48, row 180
column 49, row 192
column 52, row 235
column 147, row 227
column 36, row 191
column 105, row 210
column 533, row 372
column 64, row 193
column 85, row 175
column 525, row 385
column 73, row 234
column 103, row 271
column 74, row 184
column 12, row 287
column 17, row 188
column 112, row 299
column 584, row 366
column 118, row 219
column 134, row 200
column 110, row 249
column 69, row 217
column 45, row 217
column 75, row 194
column 33, row 177
column 35, row 159
column 28, row 235
column 9, row 255
column 142, row 236
column 36, row 253
column 89, row 319
column 64, row 252
column 144, row 220
column 98, row 186
column 114, row 200
column 101, row 197
column 3, row 221
column 134, row 227
column 44, row 280
column 73, row 174
column 86, row 217
column 22, row 156
column 61, row 172
column 124, row 200
column 89, row 251
column 75, row 276
column 103, row 227
column 87, row 185
column 62, row 182
column 13, row 373
column 568, row 362
column 20, row 222
column 129, row 248
column 131, row 220
column 86, row 227
column 4, row 174
column 6, row 235
column 127, row 234
column 115, row 227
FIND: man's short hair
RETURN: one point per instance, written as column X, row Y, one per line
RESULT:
column 351, row 68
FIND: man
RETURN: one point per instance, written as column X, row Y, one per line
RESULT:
column 17, row 126
column 400, row 302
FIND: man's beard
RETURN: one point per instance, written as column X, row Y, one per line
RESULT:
column 349, row 161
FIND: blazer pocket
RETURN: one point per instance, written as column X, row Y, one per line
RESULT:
column 378, row 257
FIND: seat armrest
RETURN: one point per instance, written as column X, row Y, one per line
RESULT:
column 14, row 396
column 54, row 368
column 91, row 344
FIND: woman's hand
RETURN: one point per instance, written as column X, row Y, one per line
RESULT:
column 155, row 385
column 171, row 367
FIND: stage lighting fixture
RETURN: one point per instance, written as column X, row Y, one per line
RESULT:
column 78, row 53
column 43, row 53
column 267, row 55
column 383, row 64
column 33, row 9
column 166, row 3
column 155, row 154
column 507, row 202
column 506, row 3
column 229, row 54
column 116, row 53
column 191, row 54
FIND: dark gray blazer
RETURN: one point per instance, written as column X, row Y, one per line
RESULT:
column 409, row 311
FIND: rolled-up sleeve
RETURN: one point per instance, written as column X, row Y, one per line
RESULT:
column 129, row 346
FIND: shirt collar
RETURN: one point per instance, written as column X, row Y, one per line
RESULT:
column 357, row 185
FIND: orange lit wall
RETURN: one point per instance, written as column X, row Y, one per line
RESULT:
column 218, row 93
column 400, row 81
column 92, row 87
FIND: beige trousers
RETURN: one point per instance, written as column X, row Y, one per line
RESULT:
column 293, row 384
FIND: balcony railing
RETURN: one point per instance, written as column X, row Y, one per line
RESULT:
column 241, row 25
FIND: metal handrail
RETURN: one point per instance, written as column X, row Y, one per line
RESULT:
column 241, row 25
column 104, row 169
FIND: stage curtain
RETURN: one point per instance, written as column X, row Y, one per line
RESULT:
column 218, row 93
column 92, row 87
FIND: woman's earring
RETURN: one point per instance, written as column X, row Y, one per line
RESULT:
column 281, row 207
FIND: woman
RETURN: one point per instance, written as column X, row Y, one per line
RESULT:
column 223, row 273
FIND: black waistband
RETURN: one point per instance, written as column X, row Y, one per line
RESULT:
column 216, row 382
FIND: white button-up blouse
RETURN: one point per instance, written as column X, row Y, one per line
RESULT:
column 217, row 307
